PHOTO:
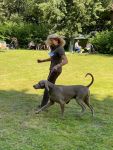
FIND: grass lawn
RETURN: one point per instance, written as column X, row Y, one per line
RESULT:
column 21, row 129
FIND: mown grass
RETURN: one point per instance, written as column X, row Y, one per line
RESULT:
column 21, row 129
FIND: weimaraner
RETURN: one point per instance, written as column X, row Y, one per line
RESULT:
column 63, row 94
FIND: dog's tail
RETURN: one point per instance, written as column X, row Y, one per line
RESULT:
column 91, row 81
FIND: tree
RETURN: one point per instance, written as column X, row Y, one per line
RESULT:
column 32, row 13
column 53, row 12
column 66, row 17
column 2, row 14
column 70, row 17
column 13, row 7
column 112, row 15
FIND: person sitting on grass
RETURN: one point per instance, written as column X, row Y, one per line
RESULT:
column 89, row 48
column 31, row 45
column 77, row 47
column 14, row 43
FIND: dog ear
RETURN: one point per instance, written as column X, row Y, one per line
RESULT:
column 46, row 86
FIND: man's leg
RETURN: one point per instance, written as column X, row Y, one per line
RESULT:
column 52, row 78
column 78, row 50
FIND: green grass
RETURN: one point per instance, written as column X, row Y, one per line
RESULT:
column 21, row 129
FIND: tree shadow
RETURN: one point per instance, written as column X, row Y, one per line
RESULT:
column 13, row 101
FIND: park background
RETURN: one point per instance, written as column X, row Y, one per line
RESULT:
column 33, row 20
column 20, row 127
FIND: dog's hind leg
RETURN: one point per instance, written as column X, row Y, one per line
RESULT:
column 62, row 110
column 80, row 102
column 87, row 102
column 44, row 107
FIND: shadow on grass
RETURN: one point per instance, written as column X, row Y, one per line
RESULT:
column 2, row 51
column 18, row 100
column 22, row 101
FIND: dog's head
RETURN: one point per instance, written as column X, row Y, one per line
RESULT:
column 41, row 85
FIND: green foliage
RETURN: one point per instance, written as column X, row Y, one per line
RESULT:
column 23, row 32
column 2, row 13
column 103, row 41
column 32, row 12
column 72, row 17
column 53, row 12
column 65, row 17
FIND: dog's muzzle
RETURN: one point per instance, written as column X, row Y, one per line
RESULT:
column 34, row 86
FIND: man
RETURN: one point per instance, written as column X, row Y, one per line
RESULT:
column 77, row 47
column 57, row 58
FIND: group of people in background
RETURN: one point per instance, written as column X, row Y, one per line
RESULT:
column 88, row 49
column 77, row 48
column 13, row 44
column 39, row 46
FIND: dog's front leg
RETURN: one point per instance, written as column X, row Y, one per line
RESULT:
column 62, row 110
column 44, row 107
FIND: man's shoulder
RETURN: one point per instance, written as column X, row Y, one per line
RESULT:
column 59, row 48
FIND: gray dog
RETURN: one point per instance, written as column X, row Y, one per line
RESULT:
column 63, row 94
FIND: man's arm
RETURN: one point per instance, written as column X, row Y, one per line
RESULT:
column 64, row 62
column 43, row 60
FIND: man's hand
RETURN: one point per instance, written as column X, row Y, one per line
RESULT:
column 55, row 68
column 43, row 60
column 39, row 61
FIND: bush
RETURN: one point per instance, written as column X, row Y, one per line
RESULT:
column 103, row 42
column 23, row 32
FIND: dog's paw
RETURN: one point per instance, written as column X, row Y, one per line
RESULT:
column 37, row 112
column 79, row 114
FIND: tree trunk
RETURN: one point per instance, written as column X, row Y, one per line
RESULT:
column 112, row 17
column 112, row 13
column 71, row 47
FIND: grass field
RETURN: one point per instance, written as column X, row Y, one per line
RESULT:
column 21, row 129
